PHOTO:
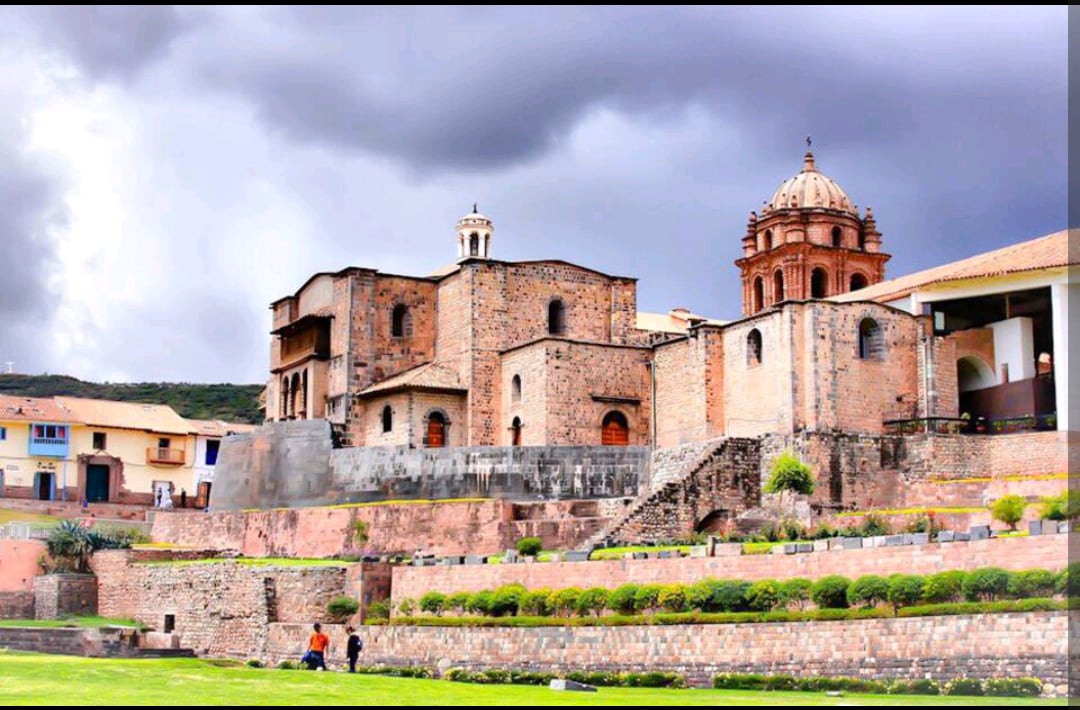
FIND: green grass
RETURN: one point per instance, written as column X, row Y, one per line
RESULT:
column 30, row 679
column 86, row 622
column 913, row 511
column 253, row 562
column 617, row 553
column 21, row 516
column 1016, row 477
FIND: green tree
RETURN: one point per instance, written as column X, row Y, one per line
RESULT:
column 1009, row 510
column 790, row 474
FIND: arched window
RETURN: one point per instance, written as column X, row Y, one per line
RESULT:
column 515, row 389
column 871, row 341
column 862, row 240
column 400, row 322
column 556, row 317
column 753, row 347
column 759, row 294
column 614, row 430
column 387, row 419
column 768, row 239
column 436, row 431
column 515, row 432
column 836, row 236
column 819, row 283
column 285, row 398
column 778, row 286
column 857, row 281
column 303, row 395
column 474, row 244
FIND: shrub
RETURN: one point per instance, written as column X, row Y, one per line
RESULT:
column 795, row 592
column 341, row 608
column 986, row 584
column 1068, row 582
column 480, row 602
column 922, row 686
column 360, row 532
column 963, row 686
column 905, row 589
column 458, row 602
column 654, row 679
column 592, row 601
column 1014, row 687
column 564, row 601
column 597, row 678
column 433, row 603
column 944, row 587
column 823, row 532
column 647, row 597
column 1060, row 507
column 506, row 600
column 764, row 595
column 529, row 546
column 536, row 602
column 729, row 595
column 791, row 530
column 873, row 525
column 672, row 598
column 255, row 663
column 379, row 610
column 1031, row 583
column 621, row 600
column 531, row 677
column 831, row 592
column 1009, row 510
column 790, row 474
column 739, row 681
column 288, row 666
column 868, row 590
column 699, row 596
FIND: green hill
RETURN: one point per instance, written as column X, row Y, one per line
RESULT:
column 232, row 403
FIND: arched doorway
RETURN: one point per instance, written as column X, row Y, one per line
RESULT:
column 614, row 430
column 778, row 286
column 515, row 432
column 759, row 294
column 436, row 431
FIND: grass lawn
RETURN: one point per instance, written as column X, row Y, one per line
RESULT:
column 617, row 553
column 21, row 516
column 31, row 679
column 86, row 622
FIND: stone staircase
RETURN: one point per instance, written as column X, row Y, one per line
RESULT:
column 663, row 510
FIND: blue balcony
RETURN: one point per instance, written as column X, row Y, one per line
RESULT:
column 49, row 440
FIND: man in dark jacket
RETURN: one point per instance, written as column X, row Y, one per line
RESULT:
column 352, row 650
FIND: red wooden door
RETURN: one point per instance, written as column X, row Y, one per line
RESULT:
column 436, row 431
column 615, row 431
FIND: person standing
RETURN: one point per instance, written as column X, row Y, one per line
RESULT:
column 183, row 498
column 316, row 653
column 352, row 650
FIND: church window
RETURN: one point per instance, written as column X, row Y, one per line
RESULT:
column 400, row 322
column 515, row 389
column 753, row 347
column 387, row 419
column 556, row 317
column 871, row 340
column 819, row 283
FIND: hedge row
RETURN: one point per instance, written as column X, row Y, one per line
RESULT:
column 697, row 617
column 652, row 679
column 732, row 595
column 999, row 687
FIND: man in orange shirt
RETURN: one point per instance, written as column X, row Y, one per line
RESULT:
column 316, row 653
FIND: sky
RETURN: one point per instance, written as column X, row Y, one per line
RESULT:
column 166, row 173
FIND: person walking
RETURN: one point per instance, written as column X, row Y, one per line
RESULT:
column 315, row 658
column 352, row 650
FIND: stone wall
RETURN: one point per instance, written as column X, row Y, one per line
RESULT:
column 58, row 596
column 69, row 642
column 219, row 608
column 443, row 528
column 940, row 456
column 292, row 464
column 1016, row 553
column 16, row 605
column 944, row 647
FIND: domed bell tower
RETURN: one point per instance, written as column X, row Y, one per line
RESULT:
column 474, row 232
column 808, row 242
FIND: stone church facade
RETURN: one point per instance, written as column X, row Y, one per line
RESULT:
column 530, row 353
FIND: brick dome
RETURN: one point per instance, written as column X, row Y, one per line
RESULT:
column 810, row 189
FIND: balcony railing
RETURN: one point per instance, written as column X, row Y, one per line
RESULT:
column 949, row 425
column 165, row 457
column 48, row 446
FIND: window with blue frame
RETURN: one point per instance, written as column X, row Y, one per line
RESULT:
column 212, row 447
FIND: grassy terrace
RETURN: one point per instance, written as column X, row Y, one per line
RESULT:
column 29, row 679
column 253, row 562
column 22, row 516
column 84, row 622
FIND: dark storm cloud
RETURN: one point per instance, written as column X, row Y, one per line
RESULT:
column 111, row 42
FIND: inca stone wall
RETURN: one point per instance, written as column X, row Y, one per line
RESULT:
column 292, row 464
